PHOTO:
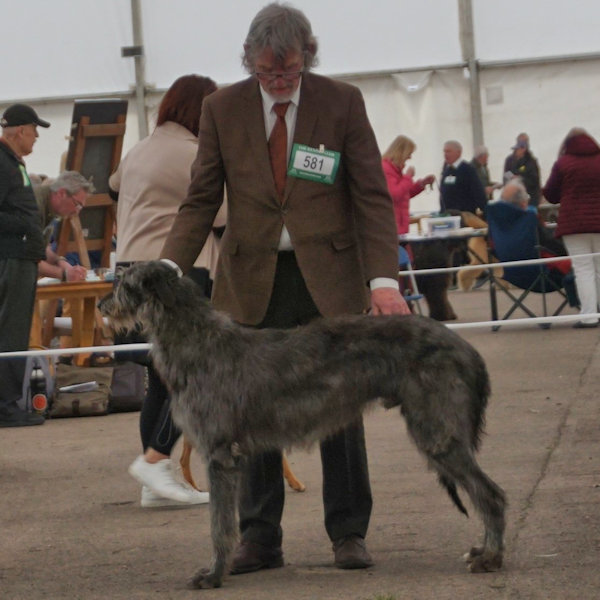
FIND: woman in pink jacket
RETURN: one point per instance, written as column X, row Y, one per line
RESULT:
column 401, row 186
column 575, row 183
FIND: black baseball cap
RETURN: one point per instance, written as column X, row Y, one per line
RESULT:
column 21, row 114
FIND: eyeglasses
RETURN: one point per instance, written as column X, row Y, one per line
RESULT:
column 288, row 76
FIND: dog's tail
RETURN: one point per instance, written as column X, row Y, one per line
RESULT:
column 453, row 493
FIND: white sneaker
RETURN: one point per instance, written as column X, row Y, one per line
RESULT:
column 160, row 479
column 151, row 500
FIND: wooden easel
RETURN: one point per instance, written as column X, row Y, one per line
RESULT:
column 72, row 237
column 95, row 148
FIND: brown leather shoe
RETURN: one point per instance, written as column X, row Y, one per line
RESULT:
column 351, row 553
column 251, row 556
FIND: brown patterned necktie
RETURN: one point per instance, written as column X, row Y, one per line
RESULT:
column 278, row 148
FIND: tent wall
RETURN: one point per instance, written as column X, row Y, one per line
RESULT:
column 545, row 100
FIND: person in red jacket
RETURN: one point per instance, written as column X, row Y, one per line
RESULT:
column 401, row 185
column 575, row 183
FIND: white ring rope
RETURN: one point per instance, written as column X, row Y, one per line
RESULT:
column 474, row 325
column 511, row 263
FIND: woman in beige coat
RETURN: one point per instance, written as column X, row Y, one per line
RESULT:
column 151, row 182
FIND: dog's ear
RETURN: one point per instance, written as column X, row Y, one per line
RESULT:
column 165, row 293
column 162, row 284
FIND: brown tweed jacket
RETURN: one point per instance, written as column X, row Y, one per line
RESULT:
column 344, row 234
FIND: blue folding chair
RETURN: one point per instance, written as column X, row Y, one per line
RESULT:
column 513, row 236
column 411, row 291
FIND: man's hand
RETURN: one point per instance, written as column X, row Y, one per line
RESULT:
column 74, row 273
column 388, row 301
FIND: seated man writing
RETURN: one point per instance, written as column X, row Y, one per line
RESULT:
column 63, row 197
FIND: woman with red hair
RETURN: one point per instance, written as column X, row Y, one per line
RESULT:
column 149, row 185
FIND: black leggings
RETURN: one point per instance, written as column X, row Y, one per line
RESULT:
column 156, row 427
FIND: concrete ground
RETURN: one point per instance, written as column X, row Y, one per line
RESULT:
column 71, row 526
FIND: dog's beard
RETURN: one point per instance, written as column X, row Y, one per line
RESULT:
column 122, row 318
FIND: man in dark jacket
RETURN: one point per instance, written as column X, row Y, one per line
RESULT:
column 521, row 163
column 21, row 248
column 460, row 186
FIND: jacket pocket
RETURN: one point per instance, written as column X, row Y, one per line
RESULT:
column 342, row 242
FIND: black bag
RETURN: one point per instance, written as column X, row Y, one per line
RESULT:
column 89, row 393
column 128, row 387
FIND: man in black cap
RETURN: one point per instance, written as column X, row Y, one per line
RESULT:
column 521, row 163
column 21, row 248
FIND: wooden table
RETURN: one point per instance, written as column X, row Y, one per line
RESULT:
column 83, row 297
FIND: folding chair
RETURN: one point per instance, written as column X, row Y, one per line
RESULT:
column 410, row 292
column 513, row 236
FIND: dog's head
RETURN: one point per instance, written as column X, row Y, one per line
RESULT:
column 141, row 295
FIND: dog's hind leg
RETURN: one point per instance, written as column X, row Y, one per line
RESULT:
column 458, row 464
column 223, row 475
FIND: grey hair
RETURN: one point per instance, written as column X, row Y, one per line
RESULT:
column 514, row 192
column 281, row 28
column 72, row 182
column 480, row 151
column 453, row 144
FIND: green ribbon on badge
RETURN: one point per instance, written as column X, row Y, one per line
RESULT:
column 26, row 180
column 315, row 165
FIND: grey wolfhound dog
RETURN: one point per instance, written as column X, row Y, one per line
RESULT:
column 238, row 391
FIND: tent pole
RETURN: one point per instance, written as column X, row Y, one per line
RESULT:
column 467, row 43
column 140, row 69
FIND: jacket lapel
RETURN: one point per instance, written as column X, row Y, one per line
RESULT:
column 306, row 121
column 255, row 127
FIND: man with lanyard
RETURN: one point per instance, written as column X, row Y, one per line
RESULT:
column 21, row 248
column 310, row 228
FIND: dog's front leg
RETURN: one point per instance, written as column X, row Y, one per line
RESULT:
column 223, row 475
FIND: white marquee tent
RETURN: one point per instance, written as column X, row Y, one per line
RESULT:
column 538, row 65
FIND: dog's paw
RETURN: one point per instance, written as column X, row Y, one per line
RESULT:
column 204, row 579
column 483, row 561
column 472, row 553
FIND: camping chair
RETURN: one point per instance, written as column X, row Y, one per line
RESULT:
column 513, row 236
column 410, row 291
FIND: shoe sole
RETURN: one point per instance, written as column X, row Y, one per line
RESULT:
column 275, row 564
column 168, row 504
column 19, row 424
column 354, row 565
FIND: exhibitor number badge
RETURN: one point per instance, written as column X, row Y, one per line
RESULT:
column 315, row 165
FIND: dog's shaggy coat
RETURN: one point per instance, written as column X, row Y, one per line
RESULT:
column 238, row 391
